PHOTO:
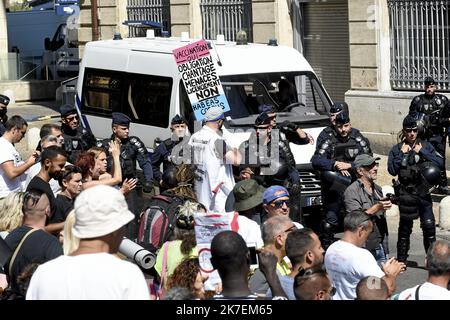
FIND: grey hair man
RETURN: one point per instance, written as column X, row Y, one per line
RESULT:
column 347, row 262
column 274, row 232
column 438, row 266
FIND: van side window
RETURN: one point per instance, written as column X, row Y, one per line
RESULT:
column 148, row 99
column 102, row 91
column 144, row 98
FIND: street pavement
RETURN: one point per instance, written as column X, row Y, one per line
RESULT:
column 413, row 275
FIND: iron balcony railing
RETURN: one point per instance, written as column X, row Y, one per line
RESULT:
column 148, row 10
column 226, row 17
column 420, row 43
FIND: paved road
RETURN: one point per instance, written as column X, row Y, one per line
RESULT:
column 411, row 277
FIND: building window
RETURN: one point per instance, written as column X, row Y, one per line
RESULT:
column 141, row 12
column 420, row 43
column 144, row 98
column 226, row 17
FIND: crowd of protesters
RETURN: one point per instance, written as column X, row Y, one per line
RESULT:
column 65, row 210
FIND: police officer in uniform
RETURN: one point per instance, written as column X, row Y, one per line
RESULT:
column 433, row 109
column 335, row 109
column 4, row 101
column 417, row 164
column 131, row 149
column 163, row 152
column 334, row 158
column 280, row 170
column 76, row 138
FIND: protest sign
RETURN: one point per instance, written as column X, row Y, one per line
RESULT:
column 200, row 79
column 206, row 227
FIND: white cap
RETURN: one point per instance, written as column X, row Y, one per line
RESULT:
column 99, row 211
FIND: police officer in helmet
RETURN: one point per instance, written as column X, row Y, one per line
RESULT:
column 76, row 138
column 4, row 101
column 333, row 159
column 132, row 149
column 163, row 152
column 417, row 164
column 433, row 109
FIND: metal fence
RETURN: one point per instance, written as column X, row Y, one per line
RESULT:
column 152, row 10
column 226, row 17
column 420, row 43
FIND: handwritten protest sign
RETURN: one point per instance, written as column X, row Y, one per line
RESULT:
column 206, row 227
column 200, row 78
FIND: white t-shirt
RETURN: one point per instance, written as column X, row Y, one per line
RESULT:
column 96, row 276
column 212, row 170
column 346, row 265
column 427, row 291
column 250, row 231
column 33, row 171
column 9, row 153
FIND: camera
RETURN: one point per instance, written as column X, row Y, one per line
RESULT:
column 392, row 198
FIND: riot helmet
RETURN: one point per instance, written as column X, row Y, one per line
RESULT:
column 429, row 178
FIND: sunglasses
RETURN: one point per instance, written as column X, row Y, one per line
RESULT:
column 72, row 118
column 278, row 204
column 411, row 130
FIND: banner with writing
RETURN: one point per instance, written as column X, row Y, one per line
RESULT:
column 206, row 227
column 200, row 79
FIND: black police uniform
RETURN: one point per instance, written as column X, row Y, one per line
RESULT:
column 163, row 152
column 3, row 117
column 335, row 148
column 286, row 173
column 328, row 132
column 131, row 150
column 75, row 141
column 435, row 112
column 413, row 201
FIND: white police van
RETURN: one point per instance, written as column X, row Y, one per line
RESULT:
column 139, row 77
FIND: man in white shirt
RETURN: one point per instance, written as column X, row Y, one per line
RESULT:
column 214, row 158
column 93, row 271
column 438, row 266
column 347, row 262
column 12, row 168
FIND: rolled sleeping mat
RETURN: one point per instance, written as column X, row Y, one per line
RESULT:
column 143, row 258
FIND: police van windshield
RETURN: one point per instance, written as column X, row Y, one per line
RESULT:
column 295, row 93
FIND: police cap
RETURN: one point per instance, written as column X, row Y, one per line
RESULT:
column 338, row 107
column 120, row 119
column 266, row 108
column 67, row 110
column 263, row 119
column 4, row 100
column 178, row 120
column 409, row 122
column 342, row 118
column 429, row 81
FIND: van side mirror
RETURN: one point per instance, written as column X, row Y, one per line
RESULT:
column 47, row 43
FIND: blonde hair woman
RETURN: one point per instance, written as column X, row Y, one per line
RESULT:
column 11, row 214
column 70, row 242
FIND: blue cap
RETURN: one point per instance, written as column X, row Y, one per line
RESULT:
column 120, row 119
column 178, row 120
column 273, row 193
column 67, row 110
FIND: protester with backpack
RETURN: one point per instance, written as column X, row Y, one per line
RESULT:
column 182, row 246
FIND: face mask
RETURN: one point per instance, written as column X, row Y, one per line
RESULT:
column 3, row 111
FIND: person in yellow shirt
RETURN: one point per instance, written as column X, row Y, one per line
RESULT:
column 184, row 244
